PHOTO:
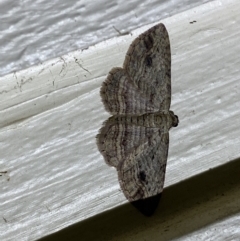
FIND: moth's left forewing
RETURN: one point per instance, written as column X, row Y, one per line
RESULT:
column 148, row 64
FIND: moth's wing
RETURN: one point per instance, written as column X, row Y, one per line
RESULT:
column 116, row 141
column 120, row 96
column 148, row 65
column 141, row 174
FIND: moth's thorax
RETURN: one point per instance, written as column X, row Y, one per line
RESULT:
column 164, row 120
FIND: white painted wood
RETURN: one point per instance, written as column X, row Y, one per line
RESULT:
column 50, row 114
column 35, row 31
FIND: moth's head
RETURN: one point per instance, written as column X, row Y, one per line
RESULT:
column 175, row 120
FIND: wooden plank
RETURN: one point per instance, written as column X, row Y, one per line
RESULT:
column 51, row 113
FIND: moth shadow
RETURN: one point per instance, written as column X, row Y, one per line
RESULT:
column 184, row 208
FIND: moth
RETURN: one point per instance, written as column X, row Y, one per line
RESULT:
column 135, row 138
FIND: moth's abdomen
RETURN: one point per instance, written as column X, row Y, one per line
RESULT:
column 152, row 120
